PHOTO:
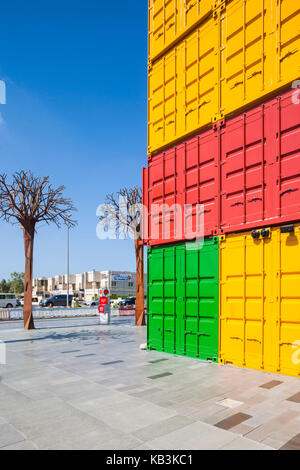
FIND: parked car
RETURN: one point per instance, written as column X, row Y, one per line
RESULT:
column 129, row 301
column 59, row 300
column 8, row 300
column 92, row 303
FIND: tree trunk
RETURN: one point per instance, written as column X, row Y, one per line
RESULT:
column 140, row 296
column 28, row 235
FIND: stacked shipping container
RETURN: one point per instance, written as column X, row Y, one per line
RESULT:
column 224, row 133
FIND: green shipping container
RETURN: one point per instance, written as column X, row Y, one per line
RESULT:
column 183, row 299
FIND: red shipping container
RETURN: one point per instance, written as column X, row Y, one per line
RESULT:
column 245, row 172
column 185, row 174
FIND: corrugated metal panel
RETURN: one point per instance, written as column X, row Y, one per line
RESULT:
column 185, row 174
column 183, row 92
column 260, row 166
column 260, row 301
column 183, row 299
column 169, row 20
column 234, row 59
column 245, row 172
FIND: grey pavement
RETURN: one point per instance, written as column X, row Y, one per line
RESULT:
column 75, row 384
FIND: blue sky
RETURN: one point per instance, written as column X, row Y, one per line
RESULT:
column 76, row 110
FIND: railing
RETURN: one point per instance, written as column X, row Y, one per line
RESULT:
column 15, row 314
column 4, row 314
column 129, row 311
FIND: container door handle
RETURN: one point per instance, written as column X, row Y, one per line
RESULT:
column 170, row 122
column 290, row 190
column 254, row 339
column 190, row 7
column 288, row 54
column 255, row 199
column 159, row 35
column 168, row 331
column 189, row 112
column 258, row 72
column 237, row 204
column 236, row 84
column 203, row 103
column 159, row 128
column 204, row 334
column 236, row 337
column 170, row 25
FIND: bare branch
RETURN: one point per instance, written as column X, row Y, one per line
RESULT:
column 29, row 200
column 122, row 211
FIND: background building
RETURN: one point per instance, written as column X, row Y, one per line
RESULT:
column 88, row 284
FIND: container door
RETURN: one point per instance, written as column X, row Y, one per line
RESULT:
column 242, row 314
column 200, row 181
column 162, row 25
column 244, row 32
column 170, row 20
column 182, row 90
column 155, row 299
column 202, row 300
column 287, row 255
column 286, row 157
column 287, row 39
column 244, row 171
column 260, row 301
column 169, row 313
column 145, row 202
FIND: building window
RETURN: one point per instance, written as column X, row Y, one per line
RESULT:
column 113, row 284
column 130, row 284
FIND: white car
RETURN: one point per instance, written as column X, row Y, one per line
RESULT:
column 8, row 301
column 92, row 303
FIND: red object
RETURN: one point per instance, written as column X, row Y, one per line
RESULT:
column 101, row 309
column 245, row 172
column 103, row 300
column 106, row 292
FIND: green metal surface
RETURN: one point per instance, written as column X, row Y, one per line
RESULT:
column 183, row 299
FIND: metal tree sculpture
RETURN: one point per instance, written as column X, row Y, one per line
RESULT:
column 26, row 201
column 122, row 211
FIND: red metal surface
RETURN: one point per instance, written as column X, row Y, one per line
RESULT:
column 260, row 166
column 245, row 172
column 185, row 174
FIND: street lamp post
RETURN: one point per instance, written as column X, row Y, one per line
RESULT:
column 68, row 263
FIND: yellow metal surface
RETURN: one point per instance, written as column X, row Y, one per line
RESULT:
column 169, row 20
column 240, row 55
column 260, row 301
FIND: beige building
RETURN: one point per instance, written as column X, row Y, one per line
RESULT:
column 87, row 285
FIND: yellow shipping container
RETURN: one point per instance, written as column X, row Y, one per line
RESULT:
column 239, row 56
column 169, row 20
column 260, row 301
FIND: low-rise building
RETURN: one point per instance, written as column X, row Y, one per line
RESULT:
column 87, row 285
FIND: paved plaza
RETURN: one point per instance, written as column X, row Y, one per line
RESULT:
column 73, row 384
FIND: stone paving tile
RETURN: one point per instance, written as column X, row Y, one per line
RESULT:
column 53, row 399
column 9, row 435
column 196, row 436
column 233, row 421
column 245, row 444
column 295, row 398
column 293, row 444
column 271, row 384
column 23, row 445
column 163, row 427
